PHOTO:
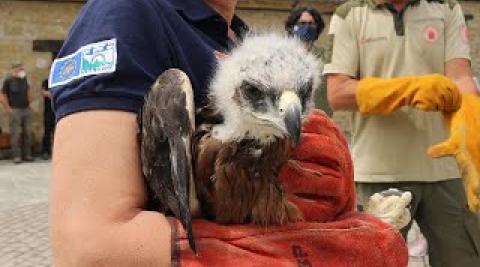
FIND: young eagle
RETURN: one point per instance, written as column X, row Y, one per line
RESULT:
column 222, row 161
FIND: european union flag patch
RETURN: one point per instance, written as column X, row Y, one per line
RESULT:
column 92, row 59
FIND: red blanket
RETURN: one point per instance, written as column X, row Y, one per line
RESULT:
column 319, row 180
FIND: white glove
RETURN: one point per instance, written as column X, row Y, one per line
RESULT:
column 391, row 207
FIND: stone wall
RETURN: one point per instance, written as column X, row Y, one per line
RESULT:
column 23, row 21
column 473, row 8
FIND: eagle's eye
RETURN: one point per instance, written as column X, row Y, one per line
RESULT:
column 251, row 92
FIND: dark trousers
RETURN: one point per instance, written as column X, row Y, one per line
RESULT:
column 440, row 209
column 49, row 128
column 21, row 132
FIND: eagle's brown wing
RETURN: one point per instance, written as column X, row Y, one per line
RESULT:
column 205, row 151
column 167, row 127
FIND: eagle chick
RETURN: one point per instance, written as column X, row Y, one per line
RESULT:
column 239, row 140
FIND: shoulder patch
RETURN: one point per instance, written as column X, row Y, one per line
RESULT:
column 91, row 59
column 343, row 10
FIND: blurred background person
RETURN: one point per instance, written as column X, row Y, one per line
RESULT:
column 306, row 23
column 398, row 80
column 16, row 101
column 48, row 122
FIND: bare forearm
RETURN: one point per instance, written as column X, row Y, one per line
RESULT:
column 459, row 70
column 98, row 195
column 145, row 240
column 466, row 84
column 46, row 93
column 342, row 92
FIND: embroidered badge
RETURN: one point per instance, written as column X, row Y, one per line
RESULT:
column 430, row 34
column 465, row 34
column 92, row 59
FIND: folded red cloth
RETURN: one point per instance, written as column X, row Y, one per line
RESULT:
column 319, row 180
column 355, row 239
column 319, row 177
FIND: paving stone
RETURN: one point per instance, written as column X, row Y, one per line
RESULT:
column 24, row 214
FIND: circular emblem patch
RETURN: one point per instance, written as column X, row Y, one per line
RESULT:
column 430, row 34
column 69, row 69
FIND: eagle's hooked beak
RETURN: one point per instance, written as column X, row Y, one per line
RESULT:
column 290, row 108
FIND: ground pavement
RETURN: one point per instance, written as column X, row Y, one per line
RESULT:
column 24, row 215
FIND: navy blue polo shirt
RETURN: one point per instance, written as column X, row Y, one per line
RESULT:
column 116, row 49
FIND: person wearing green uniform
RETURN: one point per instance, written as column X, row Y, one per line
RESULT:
column 397, row 65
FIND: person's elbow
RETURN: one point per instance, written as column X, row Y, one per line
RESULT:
column 459, row 71
column 78, row 243
column 92, row 241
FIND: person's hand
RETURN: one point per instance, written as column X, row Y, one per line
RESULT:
column 46, row 93
column 8, row 109
column 219, row 55
column 391, row 208
column 319, row 181
column 428, row 93
column 436, row 93
column 464, row 145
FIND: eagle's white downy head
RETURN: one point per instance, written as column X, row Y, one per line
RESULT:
column 264, row 88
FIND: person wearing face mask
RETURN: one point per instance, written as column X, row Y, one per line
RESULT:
column 16, row 102
column 306, row 24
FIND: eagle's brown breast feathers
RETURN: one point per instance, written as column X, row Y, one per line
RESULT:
column 237, row 181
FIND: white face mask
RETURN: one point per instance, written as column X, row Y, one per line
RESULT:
column 22, row 74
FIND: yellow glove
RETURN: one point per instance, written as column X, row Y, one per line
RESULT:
column 429, row 93
column 464, row 144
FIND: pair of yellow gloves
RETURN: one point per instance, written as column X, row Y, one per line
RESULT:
column 434, row 93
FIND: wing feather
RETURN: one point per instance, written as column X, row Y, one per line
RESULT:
column 167, row 129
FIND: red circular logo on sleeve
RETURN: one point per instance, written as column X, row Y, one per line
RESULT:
column 430, row 34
